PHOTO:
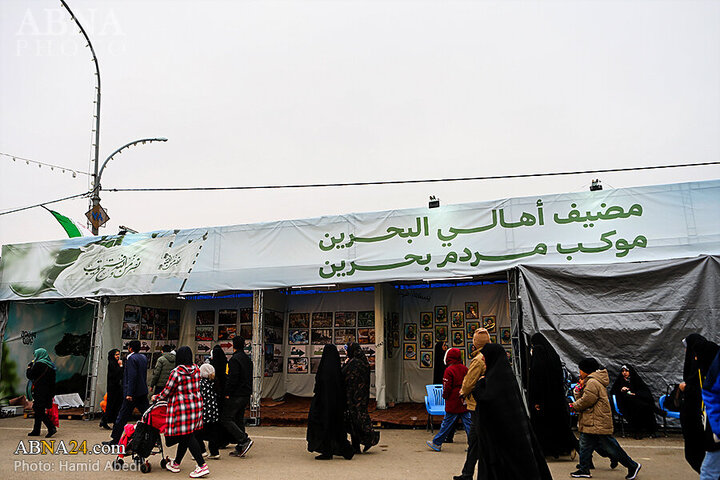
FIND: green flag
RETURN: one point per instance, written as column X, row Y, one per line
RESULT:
column 73, row 228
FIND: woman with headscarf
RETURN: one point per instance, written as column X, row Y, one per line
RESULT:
column 356, row 374
column 635, row 401
column 549, row 413
column 42, row 373
column 326, row 432
column 690, row 405
column 218, row 360
column 507, row 447
column 210, row 412
column 114, row 389
column 184, row 412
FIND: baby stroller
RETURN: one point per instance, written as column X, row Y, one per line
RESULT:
column 143, row 439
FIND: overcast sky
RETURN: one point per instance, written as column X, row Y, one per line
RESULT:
column 255, row 93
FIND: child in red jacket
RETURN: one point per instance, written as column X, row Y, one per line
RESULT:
column 454, row 405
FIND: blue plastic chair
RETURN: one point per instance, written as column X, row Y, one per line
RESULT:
column 571, row 397
column 619, row 414
column 434, row 403
column 667, row 413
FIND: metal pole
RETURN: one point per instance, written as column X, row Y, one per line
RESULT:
column 257, row 355
column 381, row 301
column 96, row 151
column 95, row 355
column 4, row 317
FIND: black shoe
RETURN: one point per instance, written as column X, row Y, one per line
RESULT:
column 592, row 466
column 110, row 442
column 105, row 426
column 34, row 434
column 581, row 474
column 633, row 472
column 613, row 463
column 461, row 477
column 242, row 449
column 323, row 457
column 51, row 432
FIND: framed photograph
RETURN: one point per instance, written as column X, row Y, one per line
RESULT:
column 132, row 313
column 457, row 338
column 145, row 347
column 321, row 336
column 505, row 336
column 205, row 317
column 203, row 347
column 298, row 351
column 470, row 348
column 395, row 339
column 426, row 359
column 409, row 351
column 200, row 358
column 343, row 336
column 470, row 328
column 493, row 338
column 227, row 317
column 246, row 315
column 426, row 339
column 130, row 331
column 368, row 350
column 297, row 365
column 410, row 332
column 299, row 320
column 345, row 319
column 316, row 350
column 471, row 311
column 269, row 367
column 488, row 321
column 173, row 325
column 162, row 317
column 322, row 320
column 457, row 319
column 272, row 335
column 146, row 331
column 441, row 332
column 366, row 335
column 298, row 336
column 366, row 319
column 277, row 349
column 441, row 314
column 426, row 320
column 204, row 333
column 508, row 353
column 161, row 331
column 246, row 333
column 226, row 332
column 227, row 347
column 274, row 319
column 147, row 315
column 314, row 364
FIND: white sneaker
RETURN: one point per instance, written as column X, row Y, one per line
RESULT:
column 214, row 457
column 206, row 454
column 173, row 467
column 200, row 471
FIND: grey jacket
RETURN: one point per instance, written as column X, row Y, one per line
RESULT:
column 163, row 367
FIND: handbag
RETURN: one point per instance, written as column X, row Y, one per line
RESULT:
column 53, row 414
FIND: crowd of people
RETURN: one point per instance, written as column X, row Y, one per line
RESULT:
column 207, row 403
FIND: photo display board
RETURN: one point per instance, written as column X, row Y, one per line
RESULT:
column 154, row 327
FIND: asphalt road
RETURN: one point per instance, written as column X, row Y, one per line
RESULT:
column 280, row 453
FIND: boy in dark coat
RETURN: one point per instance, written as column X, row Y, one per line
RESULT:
column 237, row 397
column 454, row 405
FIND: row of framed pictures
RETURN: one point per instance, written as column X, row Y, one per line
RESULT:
column 425, row 357
column 147, row 323
column 458, row 320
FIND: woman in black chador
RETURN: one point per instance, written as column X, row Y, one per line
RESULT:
column 635, row 401
column 356, row 373
column 218, row 360
column 507, row 447
column 114, row 389
column 326, row 432
column 549, row 413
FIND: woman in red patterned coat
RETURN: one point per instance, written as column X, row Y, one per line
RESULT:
column 182, row 392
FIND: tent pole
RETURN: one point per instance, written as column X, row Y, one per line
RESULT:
column 257, row 356
column 380, row 387
column 515, row 330
column 95, row 349
column 4, row 314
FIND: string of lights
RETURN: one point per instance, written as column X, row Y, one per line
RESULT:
column 20, row 209
column 401, row 182
column 52, row 167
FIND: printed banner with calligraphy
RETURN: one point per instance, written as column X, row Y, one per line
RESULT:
column 607, row 226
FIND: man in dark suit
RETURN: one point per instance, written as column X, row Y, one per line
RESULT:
column 134, row 388
column 237, row 397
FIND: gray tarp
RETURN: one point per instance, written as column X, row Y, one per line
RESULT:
column 635, row 312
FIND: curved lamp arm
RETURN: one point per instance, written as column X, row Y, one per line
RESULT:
column 119, row 150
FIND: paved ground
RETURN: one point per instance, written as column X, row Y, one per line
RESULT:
column 280, row 453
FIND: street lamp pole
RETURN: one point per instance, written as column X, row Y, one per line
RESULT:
column 96, row 144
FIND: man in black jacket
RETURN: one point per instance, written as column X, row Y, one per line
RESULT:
column 237, row 397
column 134, row 388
